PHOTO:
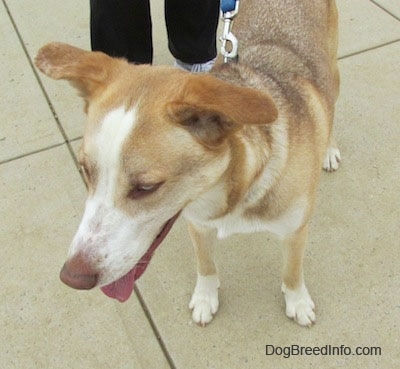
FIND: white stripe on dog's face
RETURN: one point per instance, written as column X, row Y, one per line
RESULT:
column 108, row 142
column 107, row 236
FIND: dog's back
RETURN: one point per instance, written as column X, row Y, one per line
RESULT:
column 288, row 39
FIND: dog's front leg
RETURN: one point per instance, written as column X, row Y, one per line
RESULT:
column 299, row 304
column 204, row 300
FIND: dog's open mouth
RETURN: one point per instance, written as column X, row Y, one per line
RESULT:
column 122, row 288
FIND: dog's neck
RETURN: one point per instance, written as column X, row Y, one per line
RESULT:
column 237, row 74
column 253, row 149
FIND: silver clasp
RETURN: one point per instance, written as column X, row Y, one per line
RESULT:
column 228, row 36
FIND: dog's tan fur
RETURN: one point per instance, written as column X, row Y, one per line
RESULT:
column 237, row 150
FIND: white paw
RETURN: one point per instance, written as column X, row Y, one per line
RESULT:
column 332, row 159
column 204, row 300
column 299, row 305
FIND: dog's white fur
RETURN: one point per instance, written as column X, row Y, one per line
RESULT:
column 204, row 301
column 234, row 222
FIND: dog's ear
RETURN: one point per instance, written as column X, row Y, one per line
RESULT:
column 87, row 71
column 212, row 109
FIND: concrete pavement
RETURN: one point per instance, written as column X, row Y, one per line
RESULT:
column 352, row 263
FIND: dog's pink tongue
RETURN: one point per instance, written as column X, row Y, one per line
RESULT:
column 122, row 288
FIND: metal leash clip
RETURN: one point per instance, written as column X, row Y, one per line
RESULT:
column 228, row 36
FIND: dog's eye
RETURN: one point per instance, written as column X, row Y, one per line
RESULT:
column 141, row 190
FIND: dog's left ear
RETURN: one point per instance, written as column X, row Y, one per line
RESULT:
column 87, row 71
column 211, row 109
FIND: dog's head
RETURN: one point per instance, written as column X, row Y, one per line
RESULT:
column 156, row 138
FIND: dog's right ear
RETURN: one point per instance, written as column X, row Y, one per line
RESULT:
column 87, row 71
column 212, row 109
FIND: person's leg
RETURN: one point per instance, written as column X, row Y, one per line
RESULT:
column 191, row 26
column 122, row 28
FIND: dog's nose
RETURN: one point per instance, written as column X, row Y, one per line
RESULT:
column 78, row 274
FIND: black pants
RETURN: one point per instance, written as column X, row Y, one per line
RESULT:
column 123, row 28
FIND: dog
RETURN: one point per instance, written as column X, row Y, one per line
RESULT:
column 237, row 150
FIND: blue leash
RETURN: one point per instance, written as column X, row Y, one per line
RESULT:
column 228, row 5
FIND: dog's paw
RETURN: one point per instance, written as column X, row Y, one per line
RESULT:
column 299, row 305
column 332, row 159
column 204, row 302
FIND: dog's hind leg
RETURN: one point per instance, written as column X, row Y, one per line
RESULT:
column 299, row 304
column 332, row 156
column 204, row 302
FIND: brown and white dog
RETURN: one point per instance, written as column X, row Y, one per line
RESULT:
column 237, row 150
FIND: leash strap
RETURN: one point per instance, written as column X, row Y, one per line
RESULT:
column 229, row 10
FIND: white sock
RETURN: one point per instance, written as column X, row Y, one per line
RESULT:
column 195, row 68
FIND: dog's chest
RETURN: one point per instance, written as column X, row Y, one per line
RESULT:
column 281, row 226
column 238, row 221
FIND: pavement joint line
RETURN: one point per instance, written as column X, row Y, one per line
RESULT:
column 30, row 153
column 154, row 328
column 385, row 10
column 47, row 148
column 46, row 96
column 76, row 139
column 369, row 49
